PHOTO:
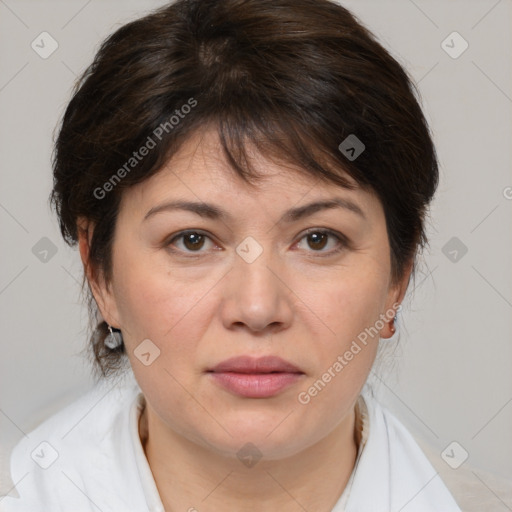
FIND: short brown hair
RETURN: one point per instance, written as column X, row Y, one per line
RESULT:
column 294, row 78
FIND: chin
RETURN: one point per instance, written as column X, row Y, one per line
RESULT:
column 268, row 436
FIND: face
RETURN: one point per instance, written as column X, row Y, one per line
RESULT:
column 291, row 275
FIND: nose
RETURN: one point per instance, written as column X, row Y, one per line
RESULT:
column 256, row 297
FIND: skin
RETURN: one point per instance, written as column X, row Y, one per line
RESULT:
column 299, row 300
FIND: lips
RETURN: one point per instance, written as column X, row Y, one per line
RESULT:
column 251, row 377
column 248, row 364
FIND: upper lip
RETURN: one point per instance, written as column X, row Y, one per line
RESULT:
column 248, row 364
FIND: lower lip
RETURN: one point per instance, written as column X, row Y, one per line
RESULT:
column 256, row 385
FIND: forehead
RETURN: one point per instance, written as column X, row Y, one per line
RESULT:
column 201, row 164
column 199, row 173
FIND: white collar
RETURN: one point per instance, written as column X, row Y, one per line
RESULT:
column 390, row 473
column 101, row 460
column 146, row 476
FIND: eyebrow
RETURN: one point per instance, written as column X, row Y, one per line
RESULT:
column 213, row 212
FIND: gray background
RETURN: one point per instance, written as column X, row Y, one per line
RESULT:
column 448, row 379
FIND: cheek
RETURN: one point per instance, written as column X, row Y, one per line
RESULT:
column 349, row 303
column 346, row 310
column 155, row 305
column 156, row 302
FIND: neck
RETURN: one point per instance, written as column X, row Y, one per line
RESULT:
column 190, row 477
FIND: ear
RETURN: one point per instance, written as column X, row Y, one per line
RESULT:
column 395, row 297
column 101, row 290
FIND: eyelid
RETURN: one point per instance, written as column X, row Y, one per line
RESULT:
column 343, row 241
column 169, row 241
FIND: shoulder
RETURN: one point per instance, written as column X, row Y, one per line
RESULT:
column 74, row 450
column 89, row 419
column 400, row 475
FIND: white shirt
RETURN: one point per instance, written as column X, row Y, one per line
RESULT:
column 89, row 457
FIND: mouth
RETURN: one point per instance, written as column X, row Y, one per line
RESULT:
column 255, row 377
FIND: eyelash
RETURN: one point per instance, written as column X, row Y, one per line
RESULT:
column 342, row 240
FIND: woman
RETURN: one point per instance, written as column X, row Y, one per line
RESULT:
column 247, row 182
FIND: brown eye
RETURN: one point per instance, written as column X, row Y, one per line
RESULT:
column 322, row 241
column 193, row 241
column 317, row 240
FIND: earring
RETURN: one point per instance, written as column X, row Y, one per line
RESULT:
column 392, row 327
column 114, row 339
